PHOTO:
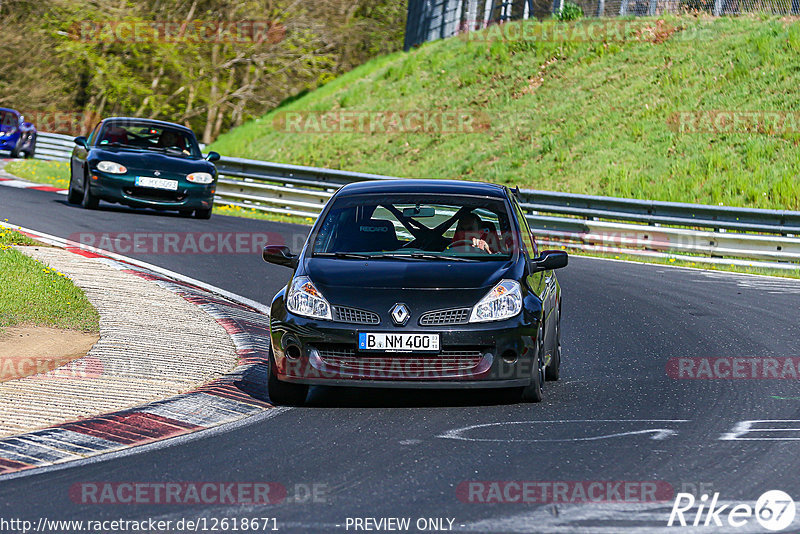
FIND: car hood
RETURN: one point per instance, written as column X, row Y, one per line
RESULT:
column 422, row 285
column 148, row 160
column 406, row 274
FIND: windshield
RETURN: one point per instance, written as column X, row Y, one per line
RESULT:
column 416, row 226
column 150, row 137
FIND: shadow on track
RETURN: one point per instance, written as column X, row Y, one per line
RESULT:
column 346, row 397
column 120, row 208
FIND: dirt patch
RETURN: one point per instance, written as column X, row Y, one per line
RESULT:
column 33, row 350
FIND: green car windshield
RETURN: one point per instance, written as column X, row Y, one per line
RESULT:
column 416, row 227
column 143, row 136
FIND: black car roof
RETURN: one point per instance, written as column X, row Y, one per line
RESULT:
column 148, row 121
column 442, row 187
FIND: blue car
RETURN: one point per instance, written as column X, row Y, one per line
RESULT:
column 16, row 135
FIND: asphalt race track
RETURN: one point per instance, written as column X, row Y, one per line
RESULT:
column 614, row 416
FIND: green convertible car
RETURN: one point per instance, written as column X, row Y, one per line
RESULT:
column 143, row 163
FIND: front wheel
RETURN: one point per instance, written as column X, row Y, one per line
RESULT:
column 202, row 213
column 284, row 393
column 73, row 197
column 533, row 391
column 553, row 370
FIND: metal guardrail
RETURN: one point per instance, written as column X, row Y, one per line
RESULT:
column 592, row 222
column 53, row 147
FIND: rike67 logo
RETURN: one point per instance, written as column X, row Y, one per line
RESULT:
column 774, row 511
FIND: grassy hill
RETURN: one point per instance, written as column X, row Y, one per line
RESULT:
column 581, row 116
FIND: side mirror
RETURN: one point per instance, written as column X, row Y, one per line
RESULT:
column 81, row 142
column 27, row 125
column 213, row 156
column 279, row 255
column 549, row 260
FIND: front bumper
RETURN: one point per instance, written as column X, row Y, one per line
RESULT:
column 485, row 355
column 8, row 143
column 121, row 188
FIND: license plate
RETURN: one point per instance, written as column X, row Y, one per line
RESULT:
column 390, row 342
column 156, row 183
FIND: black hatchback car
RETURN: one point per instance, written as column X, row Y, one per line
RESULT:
column 417, row 284
column 143, row 163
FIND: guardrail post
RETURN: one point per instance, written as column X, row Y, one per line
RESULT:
column 601, row 8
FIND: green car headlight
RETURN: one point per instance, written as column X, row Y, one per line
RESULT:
column 200, row 178
column 111, row 167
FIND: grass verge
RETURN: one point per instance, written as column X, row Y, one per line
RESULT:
column 55, row 173
column 581, row 115
column 33, row 294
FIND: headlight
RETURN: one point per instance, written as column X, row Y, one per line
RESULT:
column 111, row 167
column 200, row 178
column 502, row 302
column 304, row 299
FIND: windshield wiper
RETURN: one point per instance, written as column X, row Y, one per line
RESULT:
column 427, row 256
column 350, row 255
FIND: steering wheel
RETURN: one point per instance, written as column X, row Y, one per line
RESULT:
column 464, row 243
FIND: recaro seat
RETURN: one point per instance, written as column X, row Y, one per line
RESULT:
column 367, row 236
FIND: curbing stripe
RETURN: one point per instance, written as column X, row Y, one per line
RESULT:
column 200, row 409
column 10, row 466
column 36, row 452
column 66, row 440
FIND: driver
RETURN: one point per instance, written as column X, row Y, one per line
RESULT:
column 470, row 231
column 170, row 139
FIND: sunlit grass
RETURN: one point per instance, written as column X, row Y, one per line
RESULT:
column 582, row 117
column 55, row 173
column 33, row 294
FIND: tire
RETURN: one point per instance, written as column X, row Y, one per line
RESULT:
column 284, row 393
column 551, row 373
column 73, row 197
column 89, row 201
column 533, row 392
column 202, row 214
column 15, row 152
column 31, row 152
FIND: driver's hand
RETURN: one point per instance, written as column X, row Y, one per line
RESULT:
column 481, row 244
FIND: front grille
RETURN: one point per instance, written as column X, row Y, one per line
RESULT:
column 354, row 315
column 451, row 362
column 146, row 193
column 445, row 317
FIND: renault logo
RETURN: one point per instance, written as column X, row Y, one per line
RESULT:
column 157, row 173
column 400, row 314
